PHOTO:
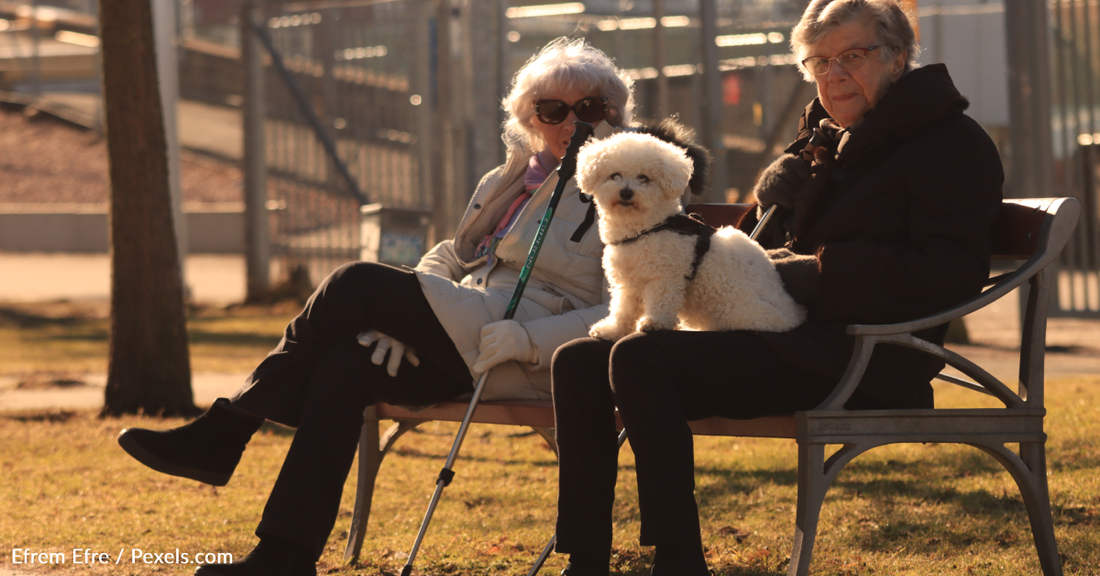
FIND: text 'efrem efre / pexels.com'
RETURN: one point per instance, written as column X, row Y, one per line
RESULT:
column 90, row 556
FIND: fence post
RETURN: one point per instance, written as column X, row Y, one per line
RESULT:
column 1029, row 105
column 257, row 235
column 1029, row 98
column 422, row 85
column 659, row 51
column 481, row 51
column 712, row 136
column 168, row 77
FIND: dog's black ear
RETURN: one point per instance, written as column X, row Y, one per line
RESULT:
column 672, row 131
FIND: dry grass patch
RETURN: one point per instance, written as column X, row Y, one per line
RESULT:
column 911, row 510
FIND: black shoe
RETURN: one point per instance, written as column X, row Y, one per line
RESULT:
column 271, row 557
column 680, row 561
column 206, row 450
column 586, row 567
column 572, row 571
column 655, row 571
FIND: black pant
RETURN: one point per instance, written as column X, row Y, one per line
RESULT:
column 659, row 381
column 320, row 380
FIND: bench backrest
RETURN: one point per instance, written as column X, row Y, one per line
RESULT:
column 1032, row 230
column 1015, row 233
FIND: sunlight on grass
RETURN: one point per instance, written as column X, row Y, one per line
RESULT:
column 41, row 337
column 912, row 510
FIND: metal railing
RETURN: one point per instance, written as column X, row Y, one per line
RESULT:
column 1076, row 147
column 338, row 126
column 396, row 102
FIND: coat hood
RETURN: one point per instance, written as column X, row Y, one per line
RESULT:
column 920, row 98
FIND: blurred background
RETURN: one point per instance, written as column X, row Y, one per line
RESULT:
column 347, row 129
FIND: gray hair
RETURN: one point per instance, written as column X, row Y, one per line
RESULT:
column 893, row 28
column 565, row 64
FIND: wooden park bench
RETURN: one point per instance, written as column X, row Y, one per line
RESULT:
column 1033, row 231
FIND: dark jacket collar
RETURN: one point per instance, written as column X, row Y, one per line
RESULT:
column 922, row 97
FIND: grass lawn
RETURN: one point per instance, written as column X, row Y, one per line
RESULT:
column 921, row 509
column 40, row 337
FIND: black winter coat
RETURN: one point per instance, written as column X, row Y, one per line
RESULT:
column 902, row 226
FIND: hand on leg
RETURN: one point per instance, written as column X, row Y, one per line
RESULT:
column 388, row 344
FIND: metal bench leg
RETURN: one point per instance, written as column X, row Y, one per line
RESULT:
column 372, row 449
column 811, row 494
column 548, row 435
column 815, row 475
column 1029, row 470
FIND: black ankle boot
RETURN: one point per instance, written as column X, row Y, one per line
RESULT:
column 582, row 565
column 206, row 450
column 273, row 556
column 680, row 561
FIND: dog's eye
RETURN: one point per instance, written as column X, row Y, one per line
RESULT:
column 643, row 178
column 616, row 176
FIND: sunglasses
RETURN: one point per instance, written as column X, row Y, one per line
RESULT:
column 591, row 109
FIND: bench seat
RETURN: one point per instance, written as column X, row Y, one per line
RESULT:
column 1031, row 232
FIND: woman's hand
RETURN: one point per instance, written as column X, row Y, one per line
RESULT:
column 386, row 344
column 782, row 182
column 503, row 341
column 800, row 273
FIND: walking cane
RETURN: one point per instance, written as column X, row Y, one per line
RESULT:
column 622, row 435
column 568, row 167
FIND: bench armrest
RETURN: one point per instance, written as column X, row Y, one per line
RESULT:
column 1057, row 219
column 1000, row 289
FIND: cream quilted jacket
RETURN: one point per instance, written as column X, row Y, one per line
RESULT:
column 566, row 292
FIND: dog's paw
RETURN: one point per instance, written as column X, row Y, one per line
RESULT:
column 649, row 324
column 607, row 330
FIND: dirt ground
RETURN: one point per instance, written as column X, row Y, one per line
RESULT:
column 44, row 160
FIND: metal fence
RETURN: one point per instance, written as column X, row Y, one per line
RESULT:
column 1076, row 146
column 429, row 154
column 340, row 130
column 396, row 102
column 407, row 93
column 50, row 51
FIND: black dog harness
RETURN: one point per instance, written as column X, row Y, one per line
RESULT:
column 685, row 225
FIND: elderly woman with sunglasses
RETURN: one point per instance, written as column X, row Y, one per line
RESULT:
column 328, row 367
column 888, row 198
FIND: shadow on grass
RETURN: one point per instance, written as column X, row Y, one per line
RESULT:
column 95, row 335
column 742, row 480
column 52, row 416
column 414, row 453
column 275, row 429
column 22, row 318
column 233, row 338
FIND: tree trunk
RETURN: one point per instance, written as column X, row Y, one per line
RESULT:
column 149, row 369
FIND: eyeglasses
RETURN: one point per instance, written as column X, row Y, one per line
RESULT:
column 848, row 60
column 591, row 109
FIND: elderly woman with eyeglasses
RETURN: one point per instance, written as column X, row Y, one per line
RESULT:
column 449, row 309
column 888, row 198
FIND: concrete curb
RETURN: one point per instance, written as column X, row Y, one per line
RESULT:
column 206, row 388
column 82, row 228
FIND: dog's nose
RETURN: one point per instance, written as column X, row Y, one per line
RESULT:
column 626, row 193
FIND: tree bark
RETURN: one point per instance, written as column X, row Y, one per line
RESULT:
column 148, row 369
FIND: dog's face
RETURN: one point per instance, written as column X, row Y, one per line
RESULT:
column 634, row 177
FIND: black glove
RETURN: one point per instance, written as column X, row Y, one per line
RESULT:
column 781, row 182
column 801, row 274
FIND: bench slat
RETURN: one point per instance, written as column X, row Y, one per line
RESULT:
column 541, row 414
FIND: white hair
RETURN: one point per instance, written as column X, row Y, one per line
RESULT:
column 893, row 28
column 562, row 65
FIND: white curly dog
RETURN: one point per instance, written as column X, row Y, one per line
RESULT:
column 661, row 273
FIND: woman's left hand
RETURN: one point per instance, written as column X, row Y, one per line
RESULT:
column 387, row 344
column 782, row 182
column 503, row 341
